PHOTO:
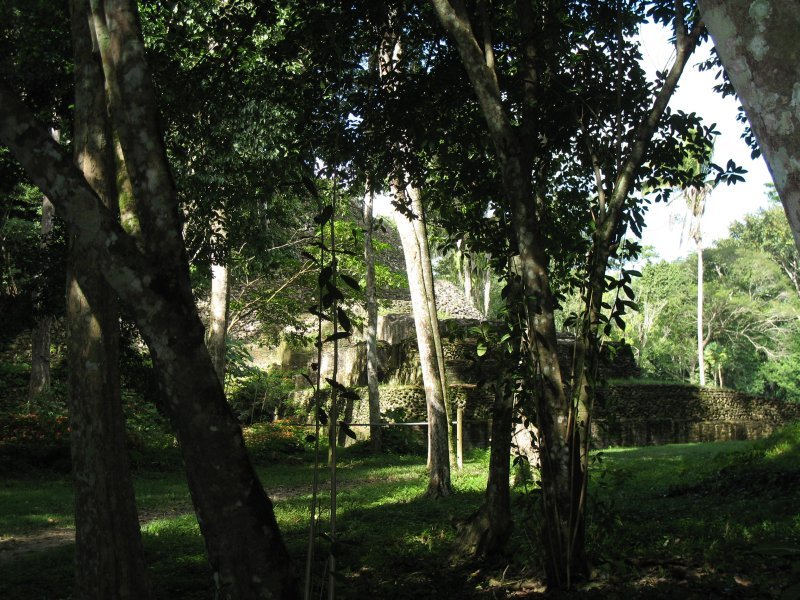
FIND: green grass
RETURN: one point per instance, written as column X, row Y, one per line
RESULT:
column 683, row 519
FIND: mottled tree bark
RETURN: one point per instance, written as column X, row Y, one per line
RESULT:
column 109, row 557
column 757, row 41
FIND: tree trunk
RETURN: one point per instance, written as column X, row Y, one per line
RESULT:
column 487, row 292
column 413, row 236
column 487, row 530
column 108, row 547
column 109, row 557
column 40, row 343
column 438, row 448
column 701, row 359
column 243, row 542
column 372, row 326
column 217, row 334
column 757, row 43
column 466, row 276
column 564, row 556
column 421, row 232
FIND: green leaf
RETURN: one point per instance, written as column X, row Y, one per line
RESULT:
column 347, row 431
column 335, row 384
column 324, row 216
column 350, row 281
column 349, row 394
column 339, row 335
column 325, row 275
column 344, row 320
column 312, row 188
column 628, row 292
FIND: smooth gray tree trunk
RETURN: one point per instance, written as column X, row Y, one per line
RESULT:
column 421, row 233
column 40, row 342
column 218, row 311
column 438, row 426
column 372, row 325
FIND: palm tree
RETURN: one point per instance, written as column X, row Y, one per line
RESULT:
column 695, row 193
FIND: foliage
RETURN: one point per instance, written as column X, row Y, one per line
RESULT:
column 398, row 440
column 261, row 395
column 268, row 441
column 768, row 230
column 33, row 440
column 31, row 268
column 751, row 314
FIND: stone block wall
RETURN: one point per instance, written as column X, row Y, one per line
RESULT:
column 625, row 415
column 637, row 415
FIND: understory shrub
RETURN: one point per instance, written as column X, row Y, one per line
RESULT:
column 34, row 440
column 270, row 441
column 261, row 395
column 395, row 440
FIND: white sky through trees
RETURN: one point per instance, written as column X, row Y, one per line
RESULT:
column 725, row 204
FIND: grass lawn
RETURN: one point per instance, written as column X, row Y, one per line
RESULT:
column 682, row 521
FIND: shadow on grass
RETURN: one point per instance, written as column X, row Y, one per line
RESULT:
column 45, row 575
column 389, row 545
column 671, row 530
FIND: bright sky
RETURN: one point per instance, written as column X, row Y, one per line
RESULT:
column 725, row 204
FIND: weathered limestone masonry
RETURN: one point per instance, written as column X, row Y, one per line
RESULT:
column 637, row 415
column 626, row 415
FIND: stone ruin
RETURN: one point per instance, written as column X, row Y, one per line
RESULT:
column 626, row 414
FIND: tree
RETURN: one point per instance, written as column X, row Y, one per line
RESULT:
column 243, row 543
column 750, row 326
column 769, row 231
column 758, row 46
column 108, row 546
column 617, row 138
column 38, row 65
column 40, row 342
column 659, row 330
column 219, row 304
column 409, row 216
column 372, row 324
column 426, row 324
column 695, row 195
